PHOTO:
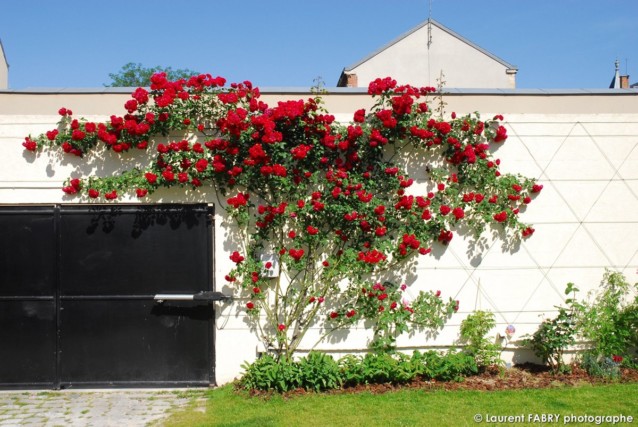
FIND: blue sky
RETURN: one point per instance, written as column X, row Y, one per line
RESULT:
column 73, row 43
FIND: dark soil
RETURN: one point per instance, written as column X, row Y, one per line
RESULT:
column 526, row 376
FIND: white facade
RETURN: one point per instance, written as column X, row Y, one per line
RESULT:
column 581, row 146
column 428, row 51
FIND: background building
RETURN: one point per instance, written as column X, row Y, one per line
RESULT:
column 426, row 52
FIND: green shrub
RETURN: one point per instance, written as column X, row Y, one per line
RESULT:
column 609, row 320
column 316, row 372
column 473, row 332
column 598, row 366
column 319, row 372
column 268, row 373
column 554, row 336
column 451, row 366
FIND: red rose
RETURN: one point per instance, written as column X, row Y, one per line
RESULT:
column 236, row 257
column 111, row 196
column 444, row 209
column 312, row 230
column 392, row 171
column 334, row 315
column 458, row 213
column 52, row 134
column 77, row 135
column 501, row 134
column 141, row 192
column 250, row 305
column 131, row 105
column 168, row 175
column 201, row 165
column 301, row 151
column 75, row 183
column 150, row 177
column 501, row 216
column 445, row 236
column 69, row 190
column 93, row 193
column 281, row 327
column 29, row 144
column 141, row 95
column 296, row 254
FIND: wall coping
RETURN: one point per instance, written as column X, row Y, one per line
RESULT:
column 337, row 90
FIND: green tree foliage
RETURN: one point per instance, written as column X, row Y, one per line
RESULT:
column 136, row 75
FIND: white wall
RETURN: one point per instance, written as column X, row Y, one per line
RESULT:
column 585, row 218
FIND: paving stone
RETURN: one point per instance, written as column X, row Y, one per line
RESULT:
column 91, row 408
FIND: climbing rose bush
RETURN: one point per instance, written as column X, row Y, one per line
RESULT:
column 328, row 218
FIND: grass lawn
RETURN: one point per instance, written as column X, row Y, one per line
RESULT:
column 225, row 407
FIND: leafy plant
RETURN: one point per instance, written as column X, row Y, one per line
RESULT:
column 268, row 373
column 555, row 335
column 609, row 319
column 474, row 329
column 319, row 372
column 451, row 366
column 597, row 366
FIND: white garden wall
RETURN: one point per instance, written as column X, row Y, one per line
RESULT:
column 581, row 145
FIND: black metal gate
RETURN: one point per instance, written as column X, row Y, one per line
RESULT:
column 77, row 288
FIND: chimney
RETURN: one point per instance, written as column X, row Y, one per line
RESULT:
column 351, row 80
column 624, row 82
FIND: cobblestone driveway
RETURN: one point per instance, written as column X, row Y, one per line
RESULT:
column 91, row 408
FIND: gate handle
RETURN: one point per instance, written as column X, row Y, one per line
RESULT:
column 201, row 296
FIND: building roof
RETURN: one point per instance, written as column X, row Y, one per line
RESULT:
column 3, row 54
column 615, row 81
column 440, row 26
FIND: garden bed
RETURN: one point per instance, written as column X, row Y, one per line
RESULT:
column 525, row 376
